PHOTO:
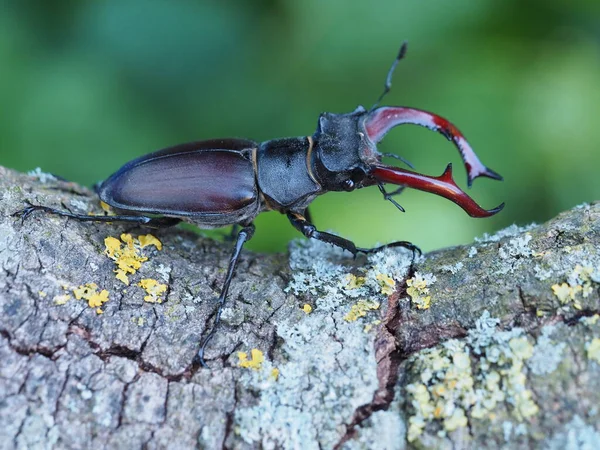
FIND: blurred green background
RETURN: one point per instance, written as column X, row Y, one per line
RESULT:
column 87, row 86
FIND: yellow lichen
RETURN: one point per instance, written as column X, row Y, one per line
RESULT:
column 354, row 282
column 154, row 289
column 126, row 253
column 450, row 388
column 61, row 299
column 42, row 294
column 121, row 276
column 387, row 284
column 369, row 326
column 89, row 292
column 360, row 309
column 593, row 350
column 418, row 291
column 107, row 209
column 456, row 420
column 274, row 373
column 307, row 308
column 580, row 283
column 148, row 239
column 592, row 320
column 257, row 358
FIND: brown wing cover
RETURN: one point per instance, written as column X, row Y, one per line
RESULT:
column 183, row 183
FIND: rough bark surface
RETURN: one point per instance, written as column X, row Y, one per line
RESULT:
column 506, row 354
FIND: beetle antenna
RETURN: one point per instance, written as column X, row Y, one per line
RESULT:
column 388, row 79
column 405, row 161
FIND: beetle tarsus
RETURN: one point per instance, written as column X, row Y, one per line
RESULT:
column 388, row 196
column 404, row 244
column 244, row 235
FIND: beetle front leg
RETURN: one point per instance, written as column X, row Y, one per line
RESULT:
column 244, row 235
column 310, row 231
column 151, row 222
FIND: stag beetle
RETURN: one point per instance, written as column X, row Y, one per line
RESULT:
column 222, row 182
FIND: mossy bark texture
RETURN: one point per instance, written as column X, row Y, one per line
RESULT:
column 489, row 345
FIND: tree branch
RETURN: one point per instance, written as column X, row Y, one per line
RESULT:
column 487, row 345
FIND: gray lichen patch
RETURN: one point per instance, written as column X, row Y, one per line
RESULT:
column 328, row 368
column 479, row 378
column 547, row 353
column 575, row 435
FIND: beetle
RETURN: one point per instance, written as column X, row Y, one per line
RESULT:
column 221, row 182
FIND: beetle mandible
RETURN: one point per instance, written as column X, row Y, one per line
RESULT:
column 222, row 182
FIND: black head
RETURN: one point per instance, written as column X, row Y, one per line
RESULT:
column 342, row 151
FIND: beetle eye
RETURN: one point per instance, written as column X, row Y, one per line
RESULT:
column 349, row 185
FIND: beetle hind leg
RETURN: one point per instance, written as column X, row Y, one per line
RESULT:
column 244, row 235
column 151, row 222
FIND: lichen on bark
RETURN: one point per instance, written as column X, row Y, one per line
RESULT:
column 493, row 344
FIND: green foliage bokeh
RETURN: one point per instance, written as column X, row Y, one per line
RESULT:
column 87, row 86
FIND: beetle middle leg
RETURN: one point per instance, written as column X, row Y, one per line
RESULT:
column 245, row 234
column 310, row 231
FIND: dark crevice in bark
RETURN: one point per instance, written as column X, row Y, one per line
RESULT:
column 388, row 355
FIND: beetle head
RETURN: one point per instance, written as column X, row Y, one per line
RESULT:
column 346, row 156
column 343, row 154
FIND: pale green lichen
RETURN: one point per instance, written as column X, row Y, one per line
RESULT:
column 43, row 177
column 360, row 309
column 592, row 349
column 578, row 285
column 387, row 283
column 418, row 290
column 591, row 320
column 453, row 386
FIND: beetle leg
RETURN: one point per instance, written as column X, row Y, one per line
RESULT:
column 307, row 215
column 244, row 235
column 310, row 231
column 388, row 195
column 232, row 236
column 151, row 222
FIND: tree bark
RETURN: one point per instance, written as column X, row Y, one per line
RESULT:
column 489, row 345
